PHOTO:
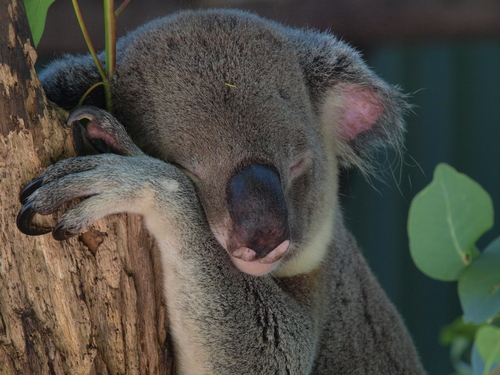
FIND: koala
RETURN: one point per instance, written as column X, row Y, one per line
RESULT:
column 228, row 133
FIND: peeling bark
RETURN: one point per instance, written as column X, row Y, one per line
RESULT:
column 89, row 305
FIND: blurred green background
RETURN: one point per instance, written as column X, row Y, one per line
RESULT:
column 446, row 55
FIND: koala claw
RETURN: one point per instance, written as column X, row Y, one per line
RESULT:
column 30, row 189
column 102, row 126
column 61, row 234
column 24, row 221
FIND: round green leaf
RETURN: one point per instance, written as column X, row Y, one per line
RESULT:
column 479, row 285
column 445, row 221
column 488, row 343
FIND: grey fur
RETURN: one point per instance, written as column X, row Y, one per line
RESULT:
column 320, row 311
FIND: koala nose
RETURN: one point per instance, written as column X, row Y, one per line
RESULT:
column 258, row 213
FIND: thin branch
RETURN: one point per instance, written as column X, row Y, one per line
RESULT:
column 121, row 7
column 86, row 36
column 80, row 103
column 110, row 36
column 110, row 42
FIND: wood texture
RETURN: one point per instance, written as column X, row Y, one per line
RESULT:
column 89, row 305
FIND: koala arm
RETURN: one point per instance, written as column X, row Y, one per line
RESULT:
column 67, row 79
column 223, row 321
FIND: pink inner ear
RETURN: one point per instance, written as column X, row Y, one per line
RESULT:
column 361, row 109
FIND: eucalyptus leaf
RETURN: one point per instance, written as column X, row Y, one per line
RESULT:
column 488, row 345
column 479, row 286
column 458, row 329
column 37, row 13
column 477, row 362
column 445, row 221
column 459, row 355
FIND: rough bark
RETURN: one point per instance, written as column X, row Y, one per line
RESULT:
column 89, row 305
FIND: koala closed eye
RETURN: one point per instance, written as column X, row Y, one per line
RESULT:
column 299, row 164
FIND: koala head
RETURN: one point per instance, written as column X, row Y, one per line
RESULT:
column 260, row 117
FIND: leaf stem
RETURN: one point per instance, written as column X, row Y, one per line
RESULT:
column 110, row 43
column 80, row 103
column 86, row 36
column 121, row 7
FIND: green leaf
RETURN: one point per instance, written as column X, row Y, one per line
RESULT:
column 458, row 329
column 445, row 221
column 477, row 362
column 37, row 13
column 488, row 344
column 479, row 285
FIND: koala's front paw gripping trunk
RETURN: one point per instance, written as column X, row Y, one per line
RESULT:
column 213, row 307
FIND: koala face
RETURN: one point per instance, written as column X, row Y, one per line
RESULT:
column 259, row 116
column 230, row 107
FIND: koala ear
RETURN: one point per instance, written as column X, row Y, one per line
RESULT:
column 360, row 111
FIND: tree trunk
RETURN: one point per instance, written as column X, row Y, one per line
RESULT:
column 89, row 305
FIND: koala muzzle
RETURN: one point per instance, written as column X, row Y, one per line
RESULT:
column 258, row 214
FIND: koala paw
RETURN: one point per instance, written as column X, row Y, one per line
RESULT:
column 108, row 183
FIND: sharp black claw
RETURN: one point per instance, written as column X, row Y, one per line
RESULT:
column 24, row 222
column 61, row 234
column 30, row 189
column 87, row 111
